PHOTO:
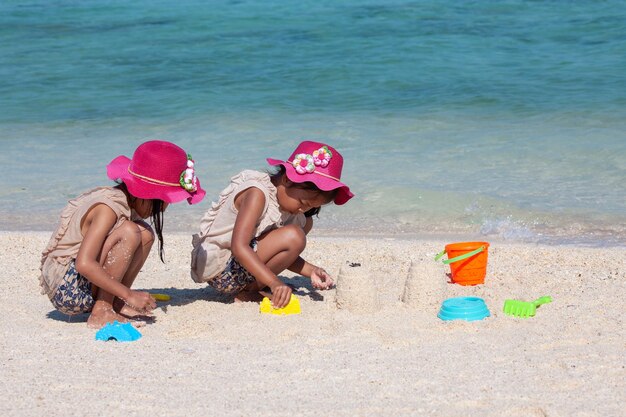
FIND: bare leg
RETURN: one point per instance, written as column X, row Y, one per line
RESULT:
column 278, row 249
column 147, row 239
column 118, row 252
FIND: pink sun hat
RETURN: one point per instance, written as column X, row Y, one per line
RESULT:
column 159, row 170
column 318, row 163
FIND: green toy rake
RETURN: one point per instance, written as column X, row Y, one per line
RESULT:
column 524, row 308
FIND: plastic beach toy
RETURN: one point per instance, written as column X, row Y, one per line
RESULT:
column 467, row 260
column 524, row 308
column 161, row 297
column 293, row 307
column 121, row 332
column 463, row 308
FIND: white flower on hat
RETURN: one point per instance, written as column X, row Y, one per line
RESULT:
column 321, row 157
column 303, row 163
column 188, row 178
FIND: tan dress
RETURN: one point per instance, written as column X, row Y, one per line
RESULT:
column 66, row 240
column 211, row 247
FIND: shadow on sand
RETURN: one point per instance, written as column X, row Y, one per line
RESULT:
column 179, row 297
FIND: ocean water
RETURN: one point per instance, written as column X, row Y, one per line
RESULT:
column 478, row 119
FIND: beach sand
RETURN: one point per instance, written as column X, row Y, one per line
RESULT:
column 359, row 351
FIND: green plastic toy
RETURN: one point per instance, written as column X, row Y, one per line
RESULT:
column 524, row 308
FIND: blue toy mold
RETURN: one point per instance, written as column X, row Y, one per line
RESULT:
column 463, row 308
column 121, row 332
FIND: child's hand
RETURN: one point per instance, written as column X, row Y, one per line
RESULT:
column 281, row 295
column 141, row 301
column 320, row 279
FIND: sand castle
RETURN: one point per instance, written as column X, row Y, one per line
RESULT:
column 355, row 290
column 357, row 286
column 425, row 283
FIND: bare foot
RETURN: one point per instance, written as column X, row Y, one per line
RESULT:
column 245, row 296
column 101, row 315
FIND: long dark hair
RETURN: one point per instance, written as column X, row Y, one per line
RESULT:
column 157, row 222
column 156, row 217
column 307, row 185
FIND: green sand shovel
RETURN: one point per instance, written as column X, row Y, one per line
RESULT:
column 524, row 308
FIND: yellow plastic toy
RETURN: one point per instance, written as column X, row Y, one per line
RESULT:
column 161, row 297
column 292, row 308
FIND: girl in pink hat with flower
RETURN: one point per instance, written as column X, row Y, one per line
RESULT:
column 102, row 241
column 258, row 227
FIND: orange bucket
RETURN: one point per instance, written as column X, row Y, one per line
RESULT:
column 468, row 262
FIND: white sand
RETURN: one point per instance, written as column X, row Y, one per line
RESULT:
column 207, row 357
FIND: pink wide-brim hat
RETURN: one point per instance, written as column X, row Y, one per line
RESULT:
column 317, row 165
column 155, row 172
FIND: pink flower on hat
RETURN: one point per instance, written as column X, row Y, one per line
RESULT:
column 321, row 157
column 188, row 178
column 303, row 163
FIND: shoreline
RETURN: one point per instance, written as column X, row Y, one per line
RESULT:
column 385, row 355
column 410, row 236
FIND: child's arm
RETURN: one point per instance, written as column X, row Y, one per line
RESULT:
column 250, row 204
column 99, row 222
column 308, row 225
column 320, row 279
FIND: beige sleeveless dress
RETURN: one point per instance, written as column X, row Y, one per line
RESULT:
column 211, row 247
column 66, row 240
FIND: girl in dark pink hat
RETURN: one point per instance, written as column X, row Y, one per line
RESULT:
column 102, row 241
column 258, row 227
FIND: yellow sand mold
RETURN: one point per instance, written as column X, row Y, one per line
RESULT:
column 161, row 297
column 292, row 308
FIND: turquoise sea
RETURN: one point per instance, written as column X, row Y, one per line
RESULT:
column 498, row 120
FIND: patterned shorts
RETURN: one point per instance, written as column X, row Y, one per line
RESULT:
column 234, row 278
column 74, row 294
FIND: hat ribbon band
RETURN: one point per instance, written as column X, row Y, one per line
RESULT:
column 322, row 174
column 152, row 180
